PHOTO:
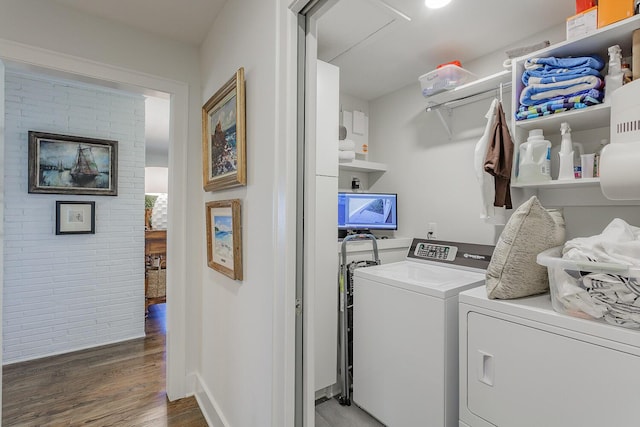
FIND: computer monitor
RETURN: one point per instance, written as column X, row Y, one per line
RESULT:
column 361, row 212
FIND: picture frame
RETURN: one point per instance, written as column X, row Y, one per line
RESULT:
column 224, row 159
column 224, row 237
column 65, row 164
column 74, row 217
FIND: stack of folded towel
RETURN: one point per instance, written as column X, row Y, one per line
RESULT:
column 347, row 150
column 553, row 85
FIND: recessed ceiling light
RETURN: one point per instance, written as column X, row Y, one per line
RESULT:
column 436, row 4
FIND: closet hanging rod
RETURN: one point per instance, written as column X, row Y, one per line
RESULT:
column 470, row 98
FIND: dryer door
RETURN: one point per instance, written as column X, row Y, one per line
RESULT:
column 523, row 376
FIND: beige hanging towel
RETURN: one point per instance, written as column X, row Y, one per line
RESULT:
column 499, row 160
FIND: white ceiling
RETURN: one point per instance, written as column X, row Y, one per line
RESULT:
column 379, row 45
column 187, row 21
column 383, row 45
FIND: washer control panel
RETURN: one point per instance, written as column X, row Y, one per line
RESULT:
column 432, row 251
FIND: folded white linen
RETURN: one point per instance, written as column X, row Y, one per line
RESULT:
column 346, row 145
column 346, row 155
column 618, row 243
column 611, row 296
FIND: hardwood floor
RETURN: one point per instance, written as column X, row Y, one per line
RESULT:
column 116, row 385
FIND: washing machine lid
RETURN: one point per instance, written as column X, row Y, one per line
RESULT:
column 434, row 280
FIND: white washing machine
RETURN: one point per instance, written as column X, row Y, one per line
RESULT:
column 405, row 332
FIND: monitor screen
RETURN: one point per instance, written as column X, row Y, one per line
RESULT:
column 367, row 211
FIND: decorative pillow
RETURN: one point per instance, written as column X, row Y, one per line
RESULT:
column 513, row 271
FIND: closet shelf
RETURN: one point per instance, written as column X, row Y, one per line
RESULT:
column 595, row 116
column 467, row 92
column 362, row 166
column 576, row 183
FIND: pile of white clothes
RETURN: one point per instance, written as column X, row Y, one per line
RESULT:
column 608, row 292
column 346, row 150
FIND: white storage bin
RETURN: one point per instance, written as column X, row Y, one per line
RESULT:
column 593, row 290
column 444, row 78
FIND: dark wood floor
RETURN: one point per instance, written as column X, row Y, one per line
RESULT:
column 116, row 385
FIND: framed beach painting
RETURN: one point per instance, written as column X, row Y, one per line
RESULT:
column 223, row 136
column 64, row 164
column 224, row 237
column 75, row 217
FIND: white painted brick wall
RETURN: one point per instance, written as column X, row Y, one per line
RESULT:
column 68, row 292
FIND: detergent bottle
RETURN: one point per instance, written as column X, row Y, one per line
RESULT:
column 535, row 158
column 596, row 162
column 566, row 154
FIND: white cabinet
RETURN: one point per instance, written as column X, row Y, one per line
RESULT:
column 522, row 364
column 326, row 283
column 587, row 119
column 323, row 226
column 327, row 119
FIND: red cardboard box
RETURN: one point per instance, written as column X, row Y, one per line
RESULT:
column 582, row 5
column 610, row 11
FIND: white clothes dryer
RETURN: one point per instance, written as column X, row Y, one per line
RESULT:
column 405, row 332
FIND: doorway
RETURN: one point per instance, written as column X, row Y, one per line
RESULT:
column 112, row 77
column 320, row 187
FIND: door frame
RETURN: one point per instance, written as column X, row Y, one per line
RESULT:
column 107, row 75
column 308, row 13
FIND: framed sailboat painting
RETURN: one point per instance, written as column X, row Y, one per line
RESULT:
column 64, row 164
column 223, row 136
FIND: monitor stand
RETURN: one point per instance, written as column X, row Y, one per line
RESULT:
column 344, row 233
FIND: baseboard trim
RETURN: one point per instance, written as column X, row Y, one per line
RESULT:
column 72, row 350
column 208, row 405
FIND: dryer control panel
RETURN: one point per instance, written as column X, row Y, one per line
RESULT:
column 433, row 251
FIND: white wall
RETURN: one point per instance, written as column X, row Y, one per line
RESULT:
column 432, row 174
column 63, row 293
column 236, row 376
column 118, row 54
column 2, row 75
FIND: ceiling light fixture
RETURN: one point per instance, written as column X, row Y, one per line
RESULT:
column 436, row 4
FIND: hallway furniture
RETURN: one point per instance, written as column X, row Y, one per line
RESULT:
column 155, row 280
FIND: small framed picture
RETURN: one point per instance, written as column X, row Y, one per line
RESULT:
column 75, row 217
column 224, row 237
column 223, row 136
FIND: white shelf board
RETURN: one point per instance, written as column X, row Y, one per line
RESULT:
column 596, row 42
column 467, row 90
column 594, row 116
column 573, row 183
column 362, row 166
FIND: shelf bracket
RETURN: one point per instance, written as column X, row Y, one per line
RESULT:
column 445, row 124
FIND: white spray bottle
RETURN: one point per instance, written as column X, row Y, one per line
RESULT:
column 566, row 153
column 615, row 75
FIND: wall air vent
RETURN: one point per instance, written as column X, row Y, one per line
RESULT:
column 625, row 113
column 627, row 126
